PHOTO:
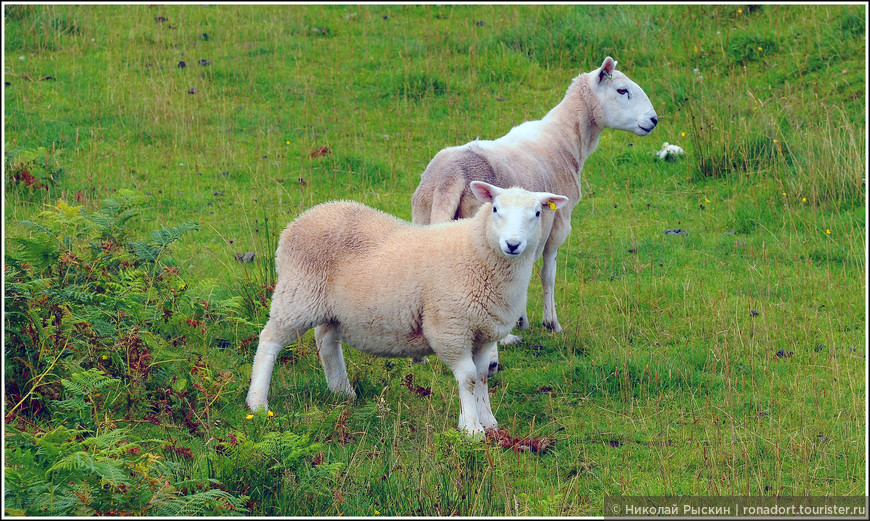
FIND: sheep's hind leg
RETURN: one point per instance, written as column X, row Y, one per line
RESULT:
column 548, row 280
column 273, row 338
column 481, row 390
column 511, row 339
column 493, row 360
column 523, row 322
column 332, row 359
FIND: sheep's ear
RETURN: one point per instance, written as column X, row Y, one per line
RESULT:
column 606, row 70
column 484, row 191
column 553, row 201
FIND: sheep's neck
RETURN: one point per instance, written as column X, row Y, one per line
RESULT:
column 575, row 117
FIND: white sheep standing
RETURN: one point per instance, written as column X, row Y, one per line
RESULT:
column 544, row 155
column 396, row 289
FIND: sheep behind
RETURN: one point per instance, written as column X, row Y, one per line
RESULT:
column 543, row 155
column 392, row 288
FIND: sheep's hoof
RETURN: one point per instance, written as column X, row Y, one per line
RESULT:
column 523, row 323
column 489, row 423
column 553, row 326
column 511, row 340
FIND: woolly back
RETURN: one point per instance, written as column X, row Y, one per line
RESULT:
column 331, row 232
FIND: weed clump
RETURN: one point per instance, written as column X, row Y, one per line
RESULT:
column 33, row 169
column 73, row 472
column 79, row 292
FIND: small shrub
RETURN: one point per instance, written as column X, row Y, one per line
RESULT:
column 68, row 472
column 33, row 169
column 76, row 290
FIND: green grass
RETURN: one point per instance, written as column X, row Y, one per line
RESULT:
column 728, row 361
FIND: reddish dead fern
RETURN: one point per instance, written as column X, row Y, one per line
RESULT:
column 503, row 438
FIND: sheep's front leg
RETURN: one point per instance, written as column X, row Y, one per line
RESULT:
column 272, row 341
column 465, row 373
column 481, row 389
column 548, row 280
column 332, row 359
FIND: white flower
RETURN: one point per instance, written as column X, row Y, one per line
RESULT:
column 669, row 151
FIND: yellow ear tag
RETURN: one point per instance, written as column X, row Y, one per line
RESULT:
column 552, row 205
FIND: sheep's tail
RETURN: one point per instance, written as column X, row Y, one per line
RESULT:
column 444, row 201
column 421, row 205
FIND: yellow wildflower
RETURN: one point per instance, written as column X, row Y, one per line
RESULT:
column 249, row 417
column 271, row 414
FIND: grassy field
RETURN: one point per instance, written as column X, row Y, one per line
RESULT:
column 728, row 360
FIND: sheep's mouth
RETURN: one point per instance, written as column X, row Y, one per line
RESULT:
column 647, row 130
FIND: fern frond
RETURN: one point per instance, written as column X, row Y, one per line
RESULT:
column 144, row 251
column 40, row 251
column 26, row 288
column 84, row 383
column 37, row 227
column 204, row 502
column 165, row 236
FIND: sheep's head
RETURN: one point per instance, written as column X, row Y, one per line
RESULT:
column 623, row 104
column 515, row 224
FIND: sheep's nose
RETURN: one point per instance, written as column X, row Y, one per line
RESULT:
column 655, row 120
column 512, row 246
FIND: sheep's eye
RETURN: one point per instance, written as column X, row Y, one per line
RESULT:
column 538, row 213
column 494, row 209
column 622, row 91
